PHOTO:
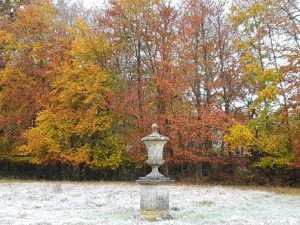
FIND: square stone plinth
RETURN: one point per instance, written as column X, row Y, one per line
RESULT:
column 154, row 199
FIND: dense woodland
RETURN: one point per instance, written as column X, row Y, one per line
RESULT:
column 80, row 87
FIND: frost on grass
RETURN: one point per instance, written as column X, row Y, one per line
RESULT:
column 66, row 203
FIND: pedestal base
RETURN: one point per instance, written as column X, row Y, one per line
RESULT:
column 154, row 198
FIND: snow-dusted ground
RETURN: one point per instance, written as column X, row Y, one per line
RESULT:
column 100, row 203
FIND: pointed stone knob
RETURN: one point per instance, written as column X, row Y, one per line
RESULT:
column 154, row 136
column 154, row 128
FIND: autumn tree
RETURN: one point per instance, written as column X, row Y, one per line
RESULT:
column 31, row 46
column 124, row 23
column 76, row 125
column 82, row 86
column 207, row 66
column 145, row 36
column 265, row 78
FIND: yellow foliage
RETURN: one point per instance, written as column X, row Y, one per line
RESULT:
column 271, row 161
column 88, row 45
column 40, row 147
column 6, row 39
column 274, row 145
column 239, row 136
column 76, row 126
column 268, row 75
column 251, row 68
column 240, row 16
column 270, row 93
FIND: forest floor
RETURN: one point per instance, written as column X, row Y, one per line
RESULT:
column 117, row 203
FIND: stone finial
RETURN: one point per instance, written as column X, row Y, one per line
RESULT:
column 155, row 136
column 154, row 128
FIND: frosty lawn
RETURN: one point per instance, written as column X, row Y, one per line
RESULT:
column 57, row 203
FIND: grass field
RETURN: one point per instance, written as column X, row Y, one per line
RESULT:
column 91, row 203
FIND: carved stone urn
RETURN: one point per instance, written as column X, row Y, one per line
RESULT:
column 154, row 188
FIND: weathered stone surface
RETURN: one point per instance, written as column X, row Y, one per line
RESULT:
column 154, row 188
column 154, row 200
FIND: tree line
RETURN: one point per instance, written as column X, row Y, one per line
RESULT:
column 82, row 86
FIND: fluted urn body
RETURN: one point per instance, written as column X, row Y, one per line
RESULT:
column 155, row 143
column 154, row 188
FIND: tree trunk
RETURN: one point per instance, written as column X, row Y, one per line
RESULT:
column 199, row 172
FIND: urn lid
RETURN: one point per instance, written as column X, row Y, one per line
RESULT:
column 155, row 136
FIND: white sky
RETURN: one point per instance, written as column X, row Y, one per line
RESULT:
column 89, row 3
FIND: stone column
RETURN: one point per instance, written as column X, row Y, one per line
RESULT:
column 154, row 188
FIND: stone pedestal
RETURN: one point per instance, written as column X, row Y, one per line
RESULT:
column 154, row 198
